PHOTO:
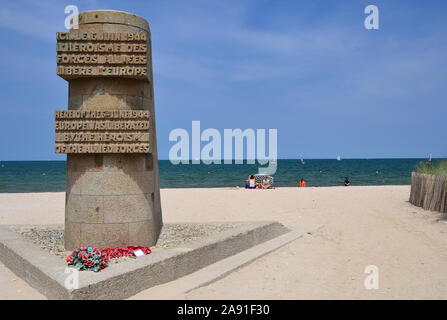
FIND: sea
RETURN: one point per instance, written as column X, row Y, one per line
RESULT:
column 49, row 176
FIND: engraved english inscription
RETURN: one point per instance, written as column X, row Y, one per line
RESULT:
column 119, row 131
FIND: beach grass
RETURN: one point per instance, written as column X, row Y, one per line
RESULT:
column 437, row 167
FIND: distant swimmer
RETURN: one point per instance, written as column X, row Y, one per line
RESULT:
column 302, row 183
column 347, row 183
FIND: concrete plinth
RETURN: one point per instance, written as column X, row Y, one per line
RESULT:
column 112, row 197
column 47, row 272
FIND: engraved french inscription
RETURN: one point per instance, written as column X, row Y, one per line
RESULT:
column 95, row 54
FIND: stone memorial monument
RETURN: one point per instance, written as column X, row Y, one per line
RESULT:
column 108, row 132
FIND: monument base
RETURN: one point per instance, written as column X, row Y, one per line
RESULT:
column 46, row 272
column 111, row 201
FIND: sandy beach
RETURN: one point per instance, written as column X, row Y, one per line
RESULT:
column 368, row 225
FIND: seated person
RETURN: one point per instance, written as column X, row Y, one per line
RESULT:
column 251, row 182
column 302, row 183
column 265, row 183
column 347, row 183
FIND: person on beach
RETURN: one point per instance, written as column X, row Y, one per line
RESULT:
column 347, row 183
column 251, row 182
column 302, row 183
column 265, row 183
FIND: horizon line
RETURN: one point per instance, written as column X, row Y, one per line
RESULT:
column 295, row 159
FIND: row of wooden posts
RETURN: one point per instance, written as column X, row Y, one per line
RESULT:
column 429, row 192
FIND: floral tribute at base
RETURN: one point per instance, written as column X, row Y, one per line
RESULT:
column 93, row 259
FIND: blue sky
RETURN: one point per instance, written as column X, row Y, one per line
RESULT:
column 307, row 68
